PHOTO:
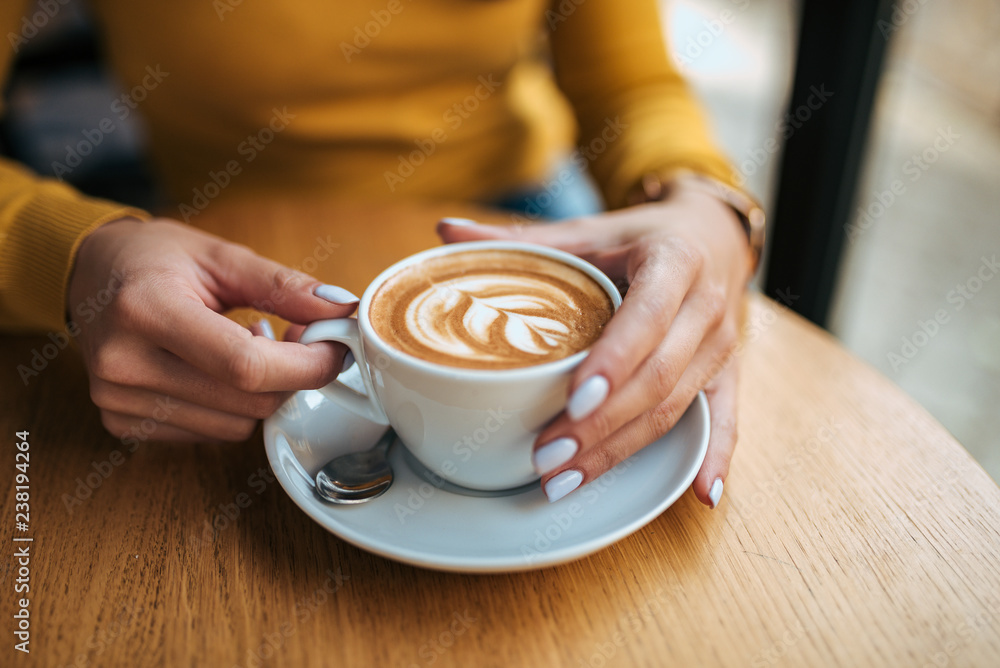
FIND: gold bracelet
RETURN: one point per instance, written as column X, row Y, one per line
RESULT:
column 657, row 187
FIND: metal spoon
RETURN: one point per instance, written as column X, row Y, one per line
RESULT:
column 357, row 477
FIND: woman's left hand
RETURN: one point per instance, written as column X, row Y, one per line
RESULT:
column 686, row 263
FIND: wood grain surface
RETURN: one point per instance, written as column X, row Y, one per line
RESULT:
column 854, row 530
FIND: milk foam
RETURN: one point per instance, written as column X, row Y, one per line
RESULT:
column 494, row 308
column 490, row 309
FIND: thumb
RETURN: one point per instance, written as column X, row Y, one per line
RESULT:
column 244, row 278
column 579, row 236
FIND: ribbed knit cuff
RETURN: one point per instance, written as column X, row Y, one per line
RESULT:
column 41, row 246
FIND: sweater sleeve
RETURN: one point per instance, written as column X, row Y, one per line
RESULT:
column 42, row 222
column 635, row 111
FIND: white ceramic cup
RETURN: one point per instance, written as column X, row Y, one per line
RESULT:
column 472, row 427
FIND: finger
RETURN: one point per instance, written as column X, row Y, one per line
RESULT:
column 164, row 409
column 721, row 393
column 622, row 444
column 294, row 332
column 614, row 262
column 685, row 347
column 182, row 324
column 136, row 429
column 575, row 236
column 263, row 328
column 163, row 373
column 661, row 284
column 243, row 278
column 579, row 236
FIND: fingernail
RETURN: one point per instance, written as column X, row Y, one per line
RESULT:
column 554, row 453
column 335, row 295
column 459, row 222
column 715, row 493
column 266, row 330
column 562, row 484
column 587, row 397
column 348, row 361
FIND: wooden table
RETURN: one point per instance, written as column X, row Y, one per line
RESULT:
column 854, row 531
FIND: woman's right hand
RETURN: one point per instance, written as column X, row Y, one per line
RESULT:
column 164, row 364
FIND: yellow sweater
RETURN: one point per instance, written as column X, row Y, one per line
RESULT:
column 374, row 99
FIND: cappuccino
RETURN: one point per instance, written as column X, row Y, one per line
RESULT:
column 490, row 309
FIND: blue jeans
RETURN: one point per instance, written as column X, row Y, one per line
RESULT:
column 568, row 192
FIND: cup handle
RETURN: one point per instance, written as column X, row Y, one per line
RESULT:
column 345, row 330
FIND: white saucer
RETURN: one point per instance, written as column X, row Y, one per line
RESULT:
column 424, row 525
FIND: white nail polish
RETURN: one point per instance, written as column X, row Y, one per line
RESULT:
column 335, row 295
column 587, row 397
column 562, row 484
column 459, row 222
column 553, row 454
column 266, row 330
column 348, row 361
column 715, row 493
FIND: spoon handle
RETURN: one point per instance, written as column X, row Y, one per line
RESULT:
column 384, row 443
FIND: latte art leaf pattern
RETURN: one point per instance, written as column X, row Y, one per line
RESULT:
column 491, row 309
column 487, row 316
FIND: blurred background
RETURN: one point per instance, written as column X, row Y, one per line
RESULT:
column 907, row 257
column 912, row 290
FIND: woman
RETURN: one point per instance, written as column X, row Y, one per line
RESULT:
column 480, row 100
